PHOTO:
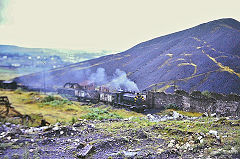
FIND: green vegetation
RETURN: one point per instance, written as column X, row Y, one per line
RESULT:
column 100, row 114
column 182, row 132
column 173, row 106
column 57, row 109
column 206, row 94
column 74, row 120
column 52, row 109
column 54, row 101
column 5, row 145
column 134, row 126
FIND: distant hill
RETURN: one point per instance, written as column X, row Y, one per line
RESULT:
column 205, row 57
column 63, row 53
column 17, row 61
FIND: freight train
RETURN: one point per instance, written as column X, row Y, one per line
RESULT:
column 88, row 93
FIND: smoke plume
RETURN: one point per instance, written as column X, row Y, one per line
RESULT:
column 99, row 77
column 118, row 81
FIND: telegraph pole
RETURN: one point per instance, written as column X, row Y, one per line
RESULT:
column 44, row 80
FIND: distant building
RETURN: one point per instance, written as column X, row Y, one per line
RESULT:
column 8, row 84
column 16, row 65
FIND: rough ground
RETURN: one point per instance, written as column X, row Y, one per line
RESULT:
column 166, row 135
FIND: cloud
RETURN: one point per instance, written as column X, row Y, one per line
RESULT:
column 3, row 4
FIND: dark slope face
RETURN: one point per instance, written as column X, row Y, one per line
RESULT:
column 206, row 57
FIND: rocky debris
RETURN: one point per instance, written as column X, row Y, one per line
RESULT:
column 216, row 136
column 214, row 115
column 47, row 141
column 205, row 114
column 139, row 134
column 32, row 130
column 79, row 124
column 169, row 154
column 83, row 152
column 60, row 131
column 220, row 151
column 10, row 131
column 129, row 154
column 171, row 144
column 171, row 116
column 90, row 127
column 111, row 142
column 213, row 132
column 81, row 145
column 200, row 139
column 126, row 154
column 91, row 139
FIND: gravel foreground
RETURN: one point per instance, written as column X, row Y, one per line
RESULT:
column 145, row 137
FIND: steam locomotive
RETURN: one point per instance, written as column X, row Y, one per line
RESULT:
column 88, row 93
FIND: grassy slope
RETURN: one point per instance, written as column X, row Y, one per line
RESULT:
column 30, row 103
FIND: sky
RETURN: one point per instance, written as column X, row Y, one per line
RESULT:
column 103, row 24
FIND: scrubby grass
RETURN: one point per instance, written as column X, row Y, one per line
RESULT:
column 180, row 131
column 189, row 114
column 206, row 94
column 57, row 109
column 54, row 101
column 34, row 103
column 173, row 106
column 35, row 120
column 119, row 126
column 125, row 114
column 100, row 114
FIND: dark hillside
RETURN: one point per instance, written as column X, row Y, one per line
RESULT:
column 205, row 57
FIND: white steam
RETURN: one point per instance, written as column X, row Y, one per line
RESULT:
column 117, row 82
column 120, row 81
column 99, row 77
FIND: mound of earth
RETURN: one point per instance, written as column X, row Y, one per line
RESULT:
column 205, row 57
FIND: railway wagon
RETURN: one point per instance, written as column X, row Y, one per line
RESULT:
column 107, row 97
column 87, row 95
column 131, row 100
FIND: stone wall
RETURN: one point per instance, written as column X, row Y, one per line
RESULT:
column 223, row 105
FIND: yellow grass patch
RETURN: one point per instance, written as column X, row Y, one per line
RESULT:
column 29, row 103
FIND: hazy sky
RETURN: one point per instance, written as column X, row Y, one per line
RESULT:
column 103, row 24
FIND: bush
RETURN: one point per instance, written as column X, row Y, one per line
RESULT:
column 74, row 120
column 206, row 94
column 173, row 106
column 54, row 101
column 100, row 114
column 48, row 99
